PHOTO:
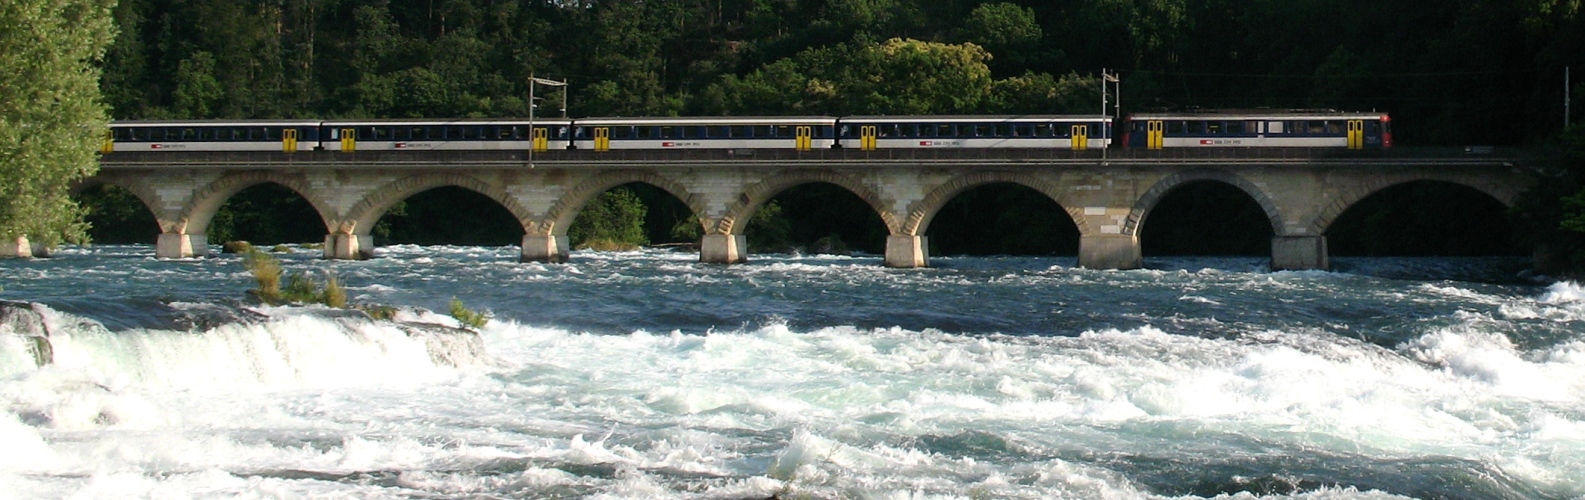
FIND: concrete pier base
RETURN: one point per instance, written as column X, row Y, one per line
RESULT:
column 1299, row 253
column 349, row 246
column 17, row 248
column 545, row 249
column 904, row 251
column 723, row 248
column 181, row 246
column 1110, row 251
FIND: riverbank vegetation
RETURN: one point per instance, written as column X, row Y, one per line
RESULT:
column 51, row 116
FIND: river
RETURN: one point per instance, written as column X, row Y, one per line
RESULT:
column 650, row 375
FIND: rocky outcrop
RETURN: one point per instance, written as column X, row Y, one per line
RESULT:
column 25, row 319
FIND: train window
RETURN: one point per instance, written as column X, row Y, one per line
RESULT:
column 740, row 131
column 718, row 131
column 1235, row 127
column 1315, row 127
column 667, row 133
column 1177, row 127
column 784, row 131
column 984, row 130
column 689, row 132
column 1042, row 130
column 1214, row 127
column 189, row 134
column 1334, row 127
column 943, row 130
column 1274, row 127
column 470, row 132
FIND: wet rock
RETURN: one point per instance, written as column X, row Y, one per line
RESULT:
column 24, row 319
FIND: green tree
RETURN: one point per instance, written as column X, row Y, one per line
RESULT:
column 52, row 117
column 614, row 220
column 1005, row 29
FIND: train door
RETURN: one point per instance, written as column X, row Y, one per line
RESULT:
column 1154, row 132
column 602, row 138
column 289, row 140
column 109, row 144
column 804, row 140
column 1356, row 134
column 541, row 139
column 867, row 137
column 349, row 140
column 1081, row 137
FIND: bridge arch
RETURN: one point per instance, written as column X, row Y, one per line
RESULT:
column 361, row 217
column 1505, row 193
column 565, row 210
column 208, row 200
column 757, row 195
column 925, row 210
column 141, row 190
column 1161, row 188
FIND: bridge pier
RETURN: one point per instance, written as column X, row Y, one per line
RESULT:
column 1299, row 253
column 21, row 248
column 181, row 246
column 907, row 251
column 723, row 248
column 349, row 246
column 1110, row 251
column 545, row 248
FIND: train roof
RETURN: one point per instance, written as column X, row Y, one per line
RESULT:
column 457, row 121
column 214, row 123
column 1262, row 114
column 973, row 118
column 709, row 120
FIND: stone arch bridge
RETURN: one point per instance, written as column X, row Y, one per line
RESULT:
column 1108, row 194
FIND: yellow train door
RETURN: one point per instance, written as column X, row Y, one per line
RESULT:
column 867, row 137
column 541, row 139
column 109, row 144
column 1081, row 137
column 1356, row 134
column 602, row 138
column 804, row 140
column 1154, row 134
column 349, row 140
column 289, row 140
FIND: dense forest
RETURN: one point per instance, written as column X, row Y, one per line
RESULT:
column 1452, row 72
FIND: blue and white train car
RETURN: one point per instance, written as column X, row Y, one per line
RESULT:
column 719, row 132
column 990, row 131
column 455, row 135
column 240, row 135
column 1260, row 129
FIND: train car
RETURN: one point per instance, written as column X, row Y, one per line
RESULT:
column 1260, row 129
column 452, row 135
column 1026, row 131
column 241, row 135
column 719, row 132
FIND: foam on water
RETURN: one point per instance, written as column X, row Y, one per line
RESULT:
column 834, row 412
column 1186, row 399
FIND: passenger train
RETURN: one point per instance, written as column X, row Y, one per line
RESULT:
column 1076, row 132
